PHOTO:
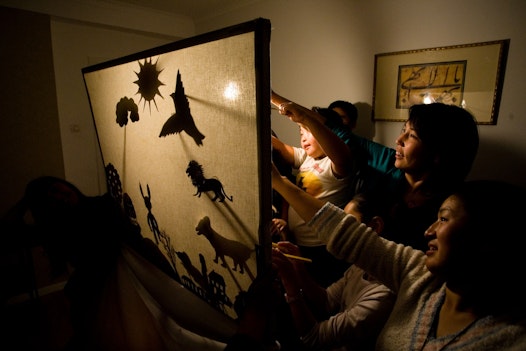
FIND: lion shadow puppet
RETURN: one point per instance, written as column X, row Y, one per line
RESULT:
column 202, row 184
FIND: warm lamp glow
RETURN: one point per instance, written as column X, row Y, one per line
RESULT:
column 428, row 99
column 231, row 91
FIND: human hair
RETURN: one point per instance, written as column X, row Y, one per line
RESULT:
column 39, row 199
column 450, row 136
column 329, row 114
column 350, row 110
column 369, row 204
column 493, row 244
column 48, row 200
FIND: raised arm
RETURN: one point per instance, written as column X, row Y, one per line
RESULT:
column 280, row 102
column 285, row 150
column 304, row 204
column 334, row 147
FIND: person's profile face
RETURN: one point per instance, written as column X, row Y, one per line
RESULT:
column 54, row 202
column 310, row 144
column 60, row 194
column 345, row 119
column 445, row 239
column 410, row 153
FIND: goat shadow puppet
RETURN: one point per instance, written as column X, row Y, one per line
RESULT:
column 202, row 184
column 182, row 119
column 239, row 252
column 211, row 286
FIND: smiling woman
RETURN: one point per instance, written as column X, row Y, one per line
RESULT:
column 432, row 155
column 464, row 292
column 418, row 174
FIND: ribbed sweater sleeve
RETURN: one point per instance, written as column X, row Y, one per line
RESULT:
column 346, row 238
column 403, row 270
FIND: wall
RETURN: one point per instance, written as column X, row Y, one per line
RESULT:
column 82, row 161
column 324, row 50
column 47, row 126
column 30, row 142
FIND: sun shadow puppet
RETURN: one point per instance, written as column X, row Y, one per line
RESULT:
column 148, row 83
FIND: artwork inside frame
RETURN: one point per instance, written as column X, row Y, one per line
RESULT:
column 184, row 133
column 469, row 75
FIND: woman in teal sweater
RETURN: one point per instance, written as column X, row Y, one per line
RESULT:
column 464, row 292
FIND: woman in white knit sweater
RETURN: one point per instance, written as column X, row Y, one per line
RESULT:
column 465, row 293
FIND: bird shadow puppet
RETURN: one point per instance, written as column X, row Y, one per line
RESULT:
column 182, row 119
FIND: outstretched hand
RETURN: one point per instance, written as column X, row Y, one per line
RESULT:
column 279, row 228
column 285, row 267
column 293, row 111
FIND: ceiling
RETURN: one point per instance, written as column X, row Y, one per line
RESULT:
column 195, row 9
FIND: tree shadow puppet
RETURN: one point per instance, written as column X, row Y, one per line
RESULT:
column 125, row 108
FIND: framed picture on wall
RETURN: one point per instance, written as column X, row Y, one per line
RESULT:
column 469, row 75
column 184, row 132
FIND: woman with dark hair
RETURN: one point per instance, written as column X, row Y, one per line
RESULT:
column 463, row 293
column 434, row 153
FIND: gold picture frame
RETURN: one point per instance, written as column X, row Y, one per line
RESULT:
column 469, row 75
